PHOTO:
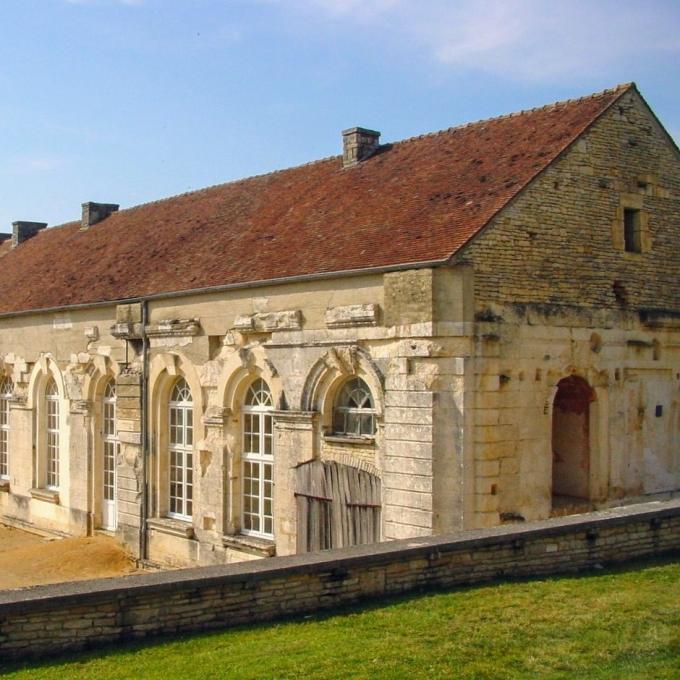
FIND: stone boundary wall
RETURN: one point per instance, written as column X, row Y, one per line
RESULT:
column 49, row 620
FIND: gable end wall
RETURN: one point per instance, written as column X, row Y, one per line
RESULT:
column 561, row 241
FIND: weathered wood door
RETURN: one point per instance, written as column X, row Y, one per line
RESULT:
column 337, row 506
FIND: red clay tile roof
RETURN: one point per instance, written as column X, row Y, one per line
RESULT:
column 418, row 200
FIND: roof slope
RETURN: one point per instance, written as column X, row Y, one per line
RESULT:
column 414, row 201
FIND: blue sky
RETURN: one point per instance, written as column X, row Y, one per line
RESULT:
column 126, row 101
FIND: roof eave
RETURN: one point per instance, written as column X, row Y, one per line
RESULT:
column 301, row 278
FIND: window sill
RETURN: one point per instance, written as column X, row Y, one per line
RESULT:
column 4, row 485
column 262, row 547
column 347, row 439
column 171, row 527
column 46, row 495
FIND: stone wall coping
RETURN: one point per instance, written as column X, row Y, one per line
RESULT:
column 80, row 593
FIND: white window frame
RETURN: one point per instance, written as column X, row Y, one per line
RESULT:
column 257, row 464
column 6, row 390
column 52, row 435
column 110, row 445
column 353, row 408
column 181, row 451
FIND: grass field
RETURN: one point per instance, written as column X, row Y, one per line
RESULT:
column 613, row 624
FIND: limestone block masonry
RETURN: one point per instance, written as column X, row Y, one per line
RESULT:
column 529, row 370
column 51, row 620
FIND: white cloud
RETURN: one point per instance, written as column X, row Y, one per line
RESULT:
column 527, row 39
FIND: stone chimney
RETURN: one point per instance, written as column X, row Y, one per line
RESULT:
column 358, row 144
column 22, row 231
column 96, row 212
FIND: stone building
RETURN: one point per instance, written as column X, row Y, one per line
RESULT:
column 475, row 326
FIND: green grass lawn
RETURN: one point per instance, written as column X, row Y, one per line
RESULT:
column 613, row 624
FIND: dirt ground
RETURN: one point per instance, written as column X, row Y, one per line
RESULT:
column 27, row 559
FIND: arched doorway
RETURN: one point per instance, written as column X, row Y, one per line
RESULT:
column 571, row 442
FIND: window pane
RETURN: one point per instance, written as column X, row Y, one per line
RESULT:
column 352, row 423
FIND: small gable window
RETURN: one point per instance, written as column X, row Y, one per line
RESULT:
column 354, row 410
column 632, row 230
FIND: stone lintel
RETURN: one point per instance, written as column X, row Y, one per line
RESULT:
column 349, row 316
column 172, row 527
column 129, row 377
column 130, row 438
column 47, row 495
column 269, row 322
column 127, row 331
column 294, row 420
column 174, row 328
column 81, row 406
column 92, row 333
column 249, row 544
column 216, row 416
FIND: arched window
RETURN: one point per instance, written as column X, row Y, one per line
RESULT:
column 258, row 461
column 6, row 389
column 181, row 417
column 52, row 435
column 110, row 451
column 354, row 410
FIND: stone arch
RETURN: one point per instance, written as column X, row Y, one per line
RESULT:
column 98, row 373
column 241, row 369
column 331, row 371
column 571, row 441
column 45, row 370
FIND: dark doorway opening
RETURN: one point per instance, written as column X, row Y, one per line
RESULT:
column 571, row 455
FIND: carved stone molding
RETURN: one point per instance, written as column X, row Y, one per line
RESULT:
column 216, row 416
column 92, row 333
column 350, row 316
column 269, row 322
column 174, row 328
column 81, row 406
column 127, row 331
column 343, row 359
column 295, row 420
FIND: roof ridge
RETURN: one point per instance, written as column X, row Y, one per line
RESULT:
column 619, row 88
column 207, row 188
column 514, row 114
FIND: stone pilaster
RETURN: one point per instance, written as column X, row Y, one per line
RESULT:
column 130, row 458
column 294, row 444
